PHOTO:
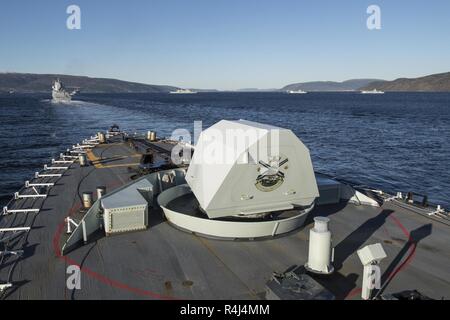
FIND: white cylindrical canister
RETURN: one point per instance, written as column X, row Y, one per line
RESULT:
column 319, row 255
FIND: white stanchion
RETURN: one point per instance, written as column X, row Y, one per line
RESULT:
column 91, row 141
column 38, row 175
column 30, row 185
column 64, row 156
column 46, row 167
column 77, row 151
column 7, row 211
column 18, row 196
column 70, row 221
column 87, row 146
column 438, row 210
column 398, row 196
column 18, row 229
column 62, row 161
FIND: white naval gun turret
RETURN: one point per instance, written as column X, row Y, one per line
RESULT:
column 243, row 168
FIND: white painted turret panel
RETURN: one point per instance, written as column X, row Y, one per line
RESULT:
column 247, row 168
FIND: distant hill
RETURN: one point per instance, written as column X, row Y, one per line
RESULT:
column 37, row 83
column 349, row 85
column 431, row 83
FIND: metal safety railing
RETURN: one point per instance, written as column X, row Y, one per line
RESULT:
column 406, row 200
column 33, row 193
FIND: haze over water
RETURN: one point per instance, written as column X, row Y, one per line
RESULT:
column 395, row 141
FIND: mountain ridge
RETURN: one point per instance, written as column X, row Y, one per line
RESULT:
column 348, row 85
column 438, row 82
column 41, row 83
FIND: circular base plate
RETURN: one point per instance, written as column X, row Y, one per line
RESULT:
column 181, row 210
column 330, row 270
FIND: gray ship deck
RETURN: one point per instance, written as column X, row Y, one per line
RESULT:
column 165, row 263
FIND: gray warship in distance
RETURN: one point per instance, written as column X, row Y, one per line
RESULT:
column 59, row 92
column 140, row 225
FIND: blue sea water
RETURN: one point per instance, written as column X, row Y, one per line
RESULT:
column 395, row 141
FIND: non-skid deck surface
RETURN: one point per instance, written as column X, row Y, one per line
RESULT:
column 163, row 262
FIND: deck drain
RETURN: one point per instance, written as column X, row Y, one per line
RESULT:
column 168, row 285
column 187, row 283
column 387, row 241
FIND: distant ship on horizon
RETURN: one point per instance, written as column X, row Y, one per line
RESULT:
column 59, row 92
column 182, row 91
column 296, row 91
column 374, row 91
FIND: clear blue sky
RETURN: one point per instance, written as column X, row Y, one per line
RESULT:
column 226, row 44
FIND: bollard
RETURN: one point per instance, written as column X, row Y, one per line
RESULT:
column 101, row 137
column 83, row 160
column 87, row 200
column 101, row 191
column 410, row 197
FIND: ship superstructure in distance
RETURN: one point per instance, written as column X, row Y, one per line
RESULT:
column 373, row 91
column 60, row 93
column 145, row 224
column 183, row 91
column 296, row 91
